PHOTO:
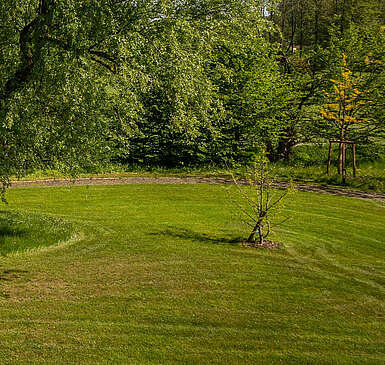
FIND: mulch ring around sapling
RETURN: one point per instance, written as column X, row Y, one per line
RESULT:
column 269, row 245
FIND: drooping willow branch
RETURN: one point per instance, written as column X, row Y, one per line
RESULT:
column 33, row 37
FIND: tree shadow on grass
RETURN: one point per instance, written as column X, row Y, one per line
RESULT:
column 8, row 224
column 9, row 274
column 188, row 234
column 9, row 231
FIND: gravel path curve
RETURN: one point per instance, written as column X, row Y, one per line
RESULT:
column 187, row 180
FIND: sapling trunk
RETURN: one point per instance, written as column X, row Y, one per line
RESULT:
column 251, row 238
column 260, row 234
column 344, row 164
column 341, row 153
column 257, row 228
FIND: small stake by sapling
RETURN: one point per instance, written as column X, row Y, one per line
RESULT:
column 259, row 203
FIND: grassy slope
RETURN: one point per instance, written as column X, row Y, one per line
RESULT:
column 155, row 278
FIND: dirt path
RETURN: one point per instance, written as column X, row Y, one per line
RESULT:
column 188, row 180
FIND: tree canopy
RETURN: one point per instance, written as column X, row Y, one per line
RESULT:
column 170, row 82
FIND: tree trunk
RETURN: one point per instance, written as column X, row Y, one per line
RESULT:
column 283, row 22
column 344, row 163
column 251, row 238
column 329, row 157
column 301, row 31
column 293, row 26
column 271, row 153
column 341, row 153
column 260, row 236
column 342, row 25
column 257, row 229
column 31, row 43
column 316, row 27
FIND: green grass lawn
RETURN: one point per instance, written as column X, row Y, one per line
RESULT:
column 151, row 274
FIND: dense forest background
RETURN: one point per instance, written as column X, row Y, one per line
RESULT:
column 184, row 83
column 256, row 81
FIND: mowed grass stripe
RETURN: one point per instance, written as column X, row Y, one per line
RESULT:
column 157, row 278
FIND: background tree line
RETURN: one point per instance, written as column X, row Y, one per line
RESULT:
column 255, row 81
column 172, row 83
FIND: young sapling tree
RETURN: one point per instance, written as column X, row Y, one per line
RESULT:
column 344, row 108
column 259, row 203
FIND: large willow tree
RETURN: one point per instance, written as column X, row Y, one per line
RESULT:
column 73, row 73
column 57, row 59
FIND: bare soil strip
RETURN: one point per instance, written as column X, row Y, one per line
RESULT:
column 187, row 180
